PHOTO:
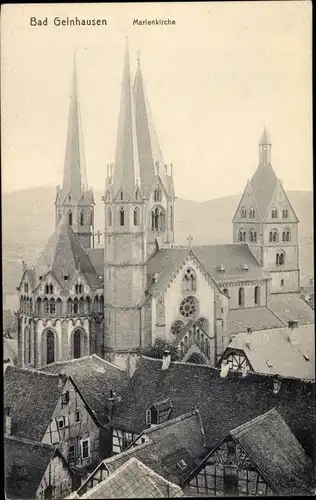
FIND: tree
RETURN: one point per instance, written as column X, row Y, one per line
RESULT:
column 159, row 347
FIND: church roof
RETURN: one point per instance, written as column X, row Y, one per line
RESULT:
column 259, row 318
column 94, row 378
column 224, row 403
column 265, row 138
column 272, row 351
column 263, row 184
column 291, row 307
column 63, row 255
column 96, row 256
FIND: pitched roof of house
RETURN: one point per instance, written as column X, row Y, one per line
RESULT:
column 268, row 440
column 259, row 318
column 291, row 307
column 10, row 349
column 272, row 351
column 24, row 465
column 134, row 480
column 223, row 403
column 64, row 255
column 94, row 378
column 31, row 396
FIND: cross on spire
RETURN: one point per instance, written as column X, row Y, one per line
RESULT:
column 189, row 240
column 98, row 235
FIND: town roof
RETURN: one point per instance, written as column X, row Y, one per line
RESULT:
column 134, row 480
column 272, row 446
column 291, row 307
column 223, row 403
column 32, row 397
column 290, row 354
column 10, row 349
column 24, row 465
column 94, row 377
column 259, row 318
column 64, row 255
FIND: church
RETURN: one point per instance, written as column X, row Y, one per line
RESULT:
column 81, row 298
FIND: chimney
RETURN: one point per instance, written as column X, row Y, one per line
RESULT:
column 61, row 378
column 277, row 382
column 7, row 422
column 292, row 324
column 110, row 405
column 249, row 334
column 166, row 360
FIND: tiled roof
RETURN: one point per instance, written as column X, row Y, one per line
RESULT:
column 259, row 318
column 224, row 403
column 134, row 480
column 24, row 465
column 164, row 263
column 263, row 184
column 290, row 307
column 271, row 351
column 96, row 256
column 32, row 397
column 275, row 450
column 10, row 349
column 64, row 255
column 94, row 378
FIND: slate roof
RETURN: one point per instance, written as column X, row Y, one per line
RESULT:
column 291, row 307
column 96, row 256
column 224, row 403
column 64, row 255
column 28, row 458
column 94, row 378
column 32, row 397
column 134, row 480
column 268, row 440
column 259, row 318
column 263, row 184
column 10, row 350
column 272, row 352
column 164, row 263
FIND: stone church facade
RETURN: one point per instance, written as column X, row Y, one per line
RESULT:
column 80, row 298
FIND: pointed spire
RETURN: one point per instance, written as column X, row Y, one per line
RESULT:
column 74, row 167
column 265, row 138
column 126, row 158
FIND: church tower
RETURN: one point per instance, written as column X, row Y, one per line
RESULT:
column 74, row 199
column 266, row 220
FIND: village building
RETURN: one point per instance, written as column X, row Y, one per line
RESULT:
column 289, row 352
column 35, row 470
column 261, row 457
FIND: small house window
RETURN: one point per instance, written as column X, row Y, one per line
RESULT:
column 60, row 423
column 85, row 448
column 77, row 416
column 274, row 213
column 65, row 398
column 121, row 216
column 243, row 213
column 285, row 213
column 148, row 417
column 71, row 454
column 127, row 439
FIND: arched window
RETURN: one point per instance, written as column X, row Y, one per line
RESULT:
column 241, row 297
column 81, row 305
column 158, row 219
column 77, row 344
column 69, row 306
column 189, row 281
column 81, row 218
column 157, row 194
column 101, row 304
column 136, row 216
column 70, row 218
column 253, row 235
column 50, row 289
column 46, row 289
column 257, row 295
column 188, row 307
column 109, row 217
column 46, row 306
column 252, row 213
column 58, row 307
column 38, row 306
column 96, row 304
column 274, row 236
column 176, row 327
column 75, row 306
column 285, row 213
column 121, row 216
column 50, row 347
column 279, row 259
column 52, row 306
column 274, row 213
column 241, row 235
column 286, row 235
column 243, row 213
column 87, row 305
column 27, row 345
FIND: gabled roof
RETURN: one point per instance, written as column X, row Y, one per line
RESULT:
column 270, row 443
column 64, row 255
column 263, row 184
column 94, row 378
column 24, row 465
column 291, row 307
column 272, row 352
column 32, row 397
column 259, row 318
column 164, row 263
column 134, row 480
column 224, row 403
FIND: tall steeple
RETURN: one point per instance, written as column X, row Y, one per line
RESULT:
column 265, row 146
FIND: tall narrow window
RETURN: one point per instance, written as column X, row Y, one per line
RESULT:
column 70, row 218
column 286, row 235
column 158, row 219
column 282, row 282
column 121, row 195
column 136, row 216
column 253, row 236
column 274, row 213
column 241, row 297
column 257, row 295
column 279, row 259
column 285, row 213
column 81, row 218
column 77, row 344
column 274, row 236
column 52, row 306
column 109, row 217
column 243, row 213
column 242, row 235
column 50, row 347
column 121, row 216
column 251, row 213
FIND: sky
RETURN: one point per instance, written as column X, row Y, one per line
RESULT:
column 213, row 80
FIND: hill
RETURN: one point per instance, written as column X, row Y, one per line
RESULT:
column 28, row 221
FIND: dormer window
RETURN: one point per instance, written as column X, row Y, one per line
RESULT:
column 182, row 464
column 159, row 412
column 65, row 398
column 244, row 267
column 40, row 278
column 221, row 268
column 65, row 277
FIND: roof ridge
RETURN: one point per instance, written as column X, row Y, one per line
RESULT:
column 129, row 451
column 72, row 361
column 30, row 441
column 32, row 370
column 180, row 418
column 247, row 425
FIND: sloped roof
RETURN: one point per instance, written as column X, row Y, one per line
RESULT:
column 10, row 349
column 295, row 358
column 96, row 256
column 28, row 458
column 268, row 440
column 134, row 480
column 291, row 307
column 265, row 138
column 224, row 403
column 164, row 263
column 259, row 318
column 64, row 255
column 263, row 184
column 94, row 378
column 32, row 397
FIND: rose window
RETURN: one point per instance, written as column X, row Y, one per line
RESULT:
column 188, row 307
column 176, row 327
